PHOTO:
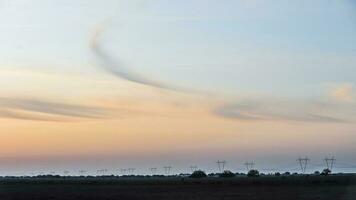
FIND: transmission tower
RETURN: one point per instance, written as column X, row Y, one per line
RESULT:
column 153, row 170
column 81, row 172
column 221, row 165
column 329, row 162
column 102, row 171
column 249, row 165
column 303, row 162
column 193, row 168
column 131, row 170
column 167, row 170
column 123, row 172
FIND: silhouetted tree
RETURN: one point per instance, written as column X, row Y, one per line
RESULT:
column 198, row 174
column 316, row 173
column 326, row 172
column 227, row 174
column 286, row 173
column 212, row 174
column 277, row 174
column 253, row 173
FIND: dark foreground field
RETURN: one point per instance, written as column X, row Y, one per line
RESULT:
column 274, row 188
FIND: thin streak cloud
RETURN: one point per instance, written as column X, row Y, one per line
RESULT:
column 290, row 110
column 114, row 67
column 343, row 92
column 26, row 116
column 32, row 109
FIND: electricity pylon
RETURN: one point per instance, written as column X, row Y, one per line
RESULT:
column 249, row 165
column 153, row 170
column 193, row 168
column 329, row 162
column 81, row 172
column 131, row 171
column 102, row 171
column 303, row 162
column 221, row 165
column 123, row 172
column 167, row 169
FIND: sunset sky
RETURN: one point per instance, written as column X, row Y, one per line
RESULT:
column 93, row 84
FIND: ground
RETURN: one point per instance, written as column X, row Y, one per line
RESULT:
column 273, row 188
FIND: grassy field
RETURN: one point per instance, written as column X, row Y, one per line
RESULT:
column 269, row 187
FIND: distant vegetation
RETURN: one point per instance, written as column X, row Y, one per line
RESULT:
column 198, row 174
column 227, row 174
column 326, row 172
column 253, row 173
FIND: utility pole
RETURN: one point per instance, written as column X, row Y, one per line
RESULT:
column 303, row 162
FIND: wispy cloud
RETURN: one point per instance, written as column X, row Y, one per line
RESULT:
column 114, row 67
column 287, row 109
column 27, row 116
column 343, row 92
column 33, row 109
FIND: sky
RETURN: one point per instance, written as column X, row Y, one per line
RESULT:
column 115, row 84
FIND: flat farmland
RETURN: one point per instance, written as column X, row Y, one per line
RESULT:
column 269, row 187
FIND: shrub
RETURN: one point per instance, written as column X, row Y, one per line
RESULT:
column 253, row 173
column 198, row 174
column 212, row 174
column 326, row 172
column 227, row 174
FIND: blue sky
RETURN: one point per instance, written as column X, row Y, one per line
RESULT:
column 230, row 45
column 242, row 71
